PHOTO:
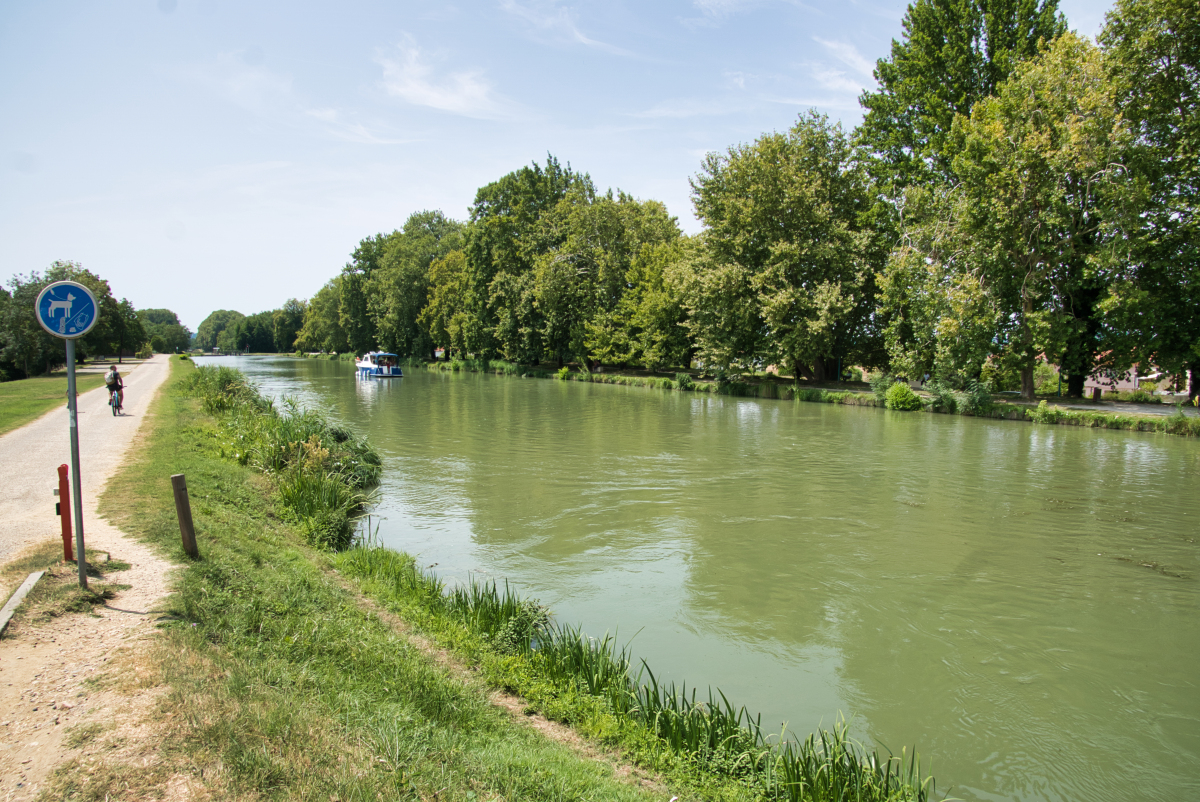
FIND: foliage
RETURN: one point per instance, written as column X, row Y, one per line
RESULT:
column 322, row 328
column 953, row 53
column 900, row 396
column 211, row 328
column 976, row 398
column 880, row 382
column 790, row 242
column 945, row 399
column 164, row 331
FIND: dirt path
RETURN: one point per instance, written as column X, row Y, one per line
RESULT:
column 44, row 672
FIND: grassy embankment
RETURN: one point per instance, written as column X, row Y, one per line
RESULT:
column 282, row 685
column 25, row 400
column 769, row 386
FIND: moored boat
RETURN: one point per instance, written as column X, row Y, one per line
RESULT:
column 378, row 365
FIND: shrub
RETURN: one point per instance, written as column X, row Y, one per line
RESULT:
column 144, row 352
column 901, row 397
column 684, row 381
column 944, row 398
column 563, row 374
column 880, row 383
column 976, row 398
column 813, row 394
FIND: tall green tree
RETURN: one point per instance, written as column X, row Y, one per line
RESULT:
column 166, row 333
column 1020, row 245
column 503, row 240
column 210, row 329
column 790, row 226
column 1153, row 53
column 353, row 311
column 322, row 329
column 446, row 315
column 398, row 289
column 285, row 324
column 953, row 53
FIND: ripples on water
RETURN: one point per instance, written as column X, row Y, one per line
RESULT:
column 1018, row 601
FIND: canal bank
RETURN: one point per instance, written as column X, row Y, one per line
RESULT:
column 979, row 589
column 268, row 673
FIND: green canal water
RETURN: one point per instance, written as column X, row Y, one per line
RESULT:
column 1020, row 602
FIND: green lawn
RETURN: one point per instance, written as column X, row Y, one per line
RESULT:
column 29, row 399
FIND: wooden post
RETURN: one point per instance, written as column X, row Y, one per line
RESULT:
column 183, row 509
column 64, row 511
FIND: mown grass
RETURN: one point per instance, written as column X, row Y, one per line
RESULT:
column 26, row 400
column 705, row 743
column 281, row 686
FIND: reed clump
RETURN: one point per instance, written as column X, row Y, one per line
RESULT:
column 323, row 473
column 581, row 680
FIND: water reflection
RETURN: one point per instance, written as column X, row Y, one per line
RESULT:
column 1019, row 601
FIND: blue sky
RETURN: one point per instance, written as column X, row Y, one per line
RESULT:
column 204, row 154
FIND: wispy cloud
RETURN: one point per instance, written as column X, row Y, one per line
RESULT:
column 240, row 79
column 407, row 76
column 859, row 75
column 848, row 54
column 336, row 126
column 554, row 22
column 684, row 108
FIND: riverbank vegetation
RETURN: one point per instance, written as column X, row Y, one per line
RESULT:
column 1018, row 202
column 281, row 681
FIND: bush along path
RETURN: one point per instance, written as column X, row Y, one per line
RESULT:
column 973, row 400
column 700, row 746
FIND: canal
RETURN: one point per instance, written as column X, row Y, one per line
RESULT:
column 1019, row 602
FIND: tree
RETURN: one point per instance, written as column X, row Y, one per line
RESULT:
column 353, row 312
column 445, row 315
column 210, row 330
column 322, row 329
column 165, row 331
column 1026, row 233
column 503, row 240
column 24, row 344
column 125, row 330
column 953, row 54
column 398, row 289
column 1153, row 54
column 789, row 221
column 285, row 324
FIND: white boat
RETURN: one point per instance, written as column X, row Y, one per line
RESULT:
column 378, row 365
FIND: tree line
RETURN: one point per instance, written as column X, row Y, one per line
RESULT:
column 26, row 349
column 1015, row 194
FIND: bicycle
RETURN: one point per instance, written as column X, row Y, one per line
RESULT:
column 114, row 401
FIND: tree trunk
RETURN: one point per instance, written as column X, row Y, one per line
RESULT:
column 1075, row 385
column 819, row 370
column 1027, row 382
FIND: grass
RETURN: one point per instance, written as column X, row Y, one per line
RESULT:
column 707, row 744
column 26, row 400
column 280, row 685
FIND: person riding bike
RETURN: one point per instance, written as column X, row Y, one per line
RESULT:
column 112, row 380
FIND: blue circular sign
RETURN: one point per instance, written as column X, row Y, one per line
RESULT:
column 67, row 309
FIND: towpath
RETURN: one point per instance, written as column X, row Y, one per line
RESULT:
column 44, row 671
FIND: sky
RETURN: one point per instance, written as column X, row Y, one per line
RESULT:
column 213, row 154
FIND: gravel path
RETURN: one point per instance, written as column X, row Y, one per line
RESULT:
column 44, row 669
column 30, row 456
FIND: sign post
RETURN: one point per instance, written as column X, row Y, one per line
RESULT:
column 68, row 310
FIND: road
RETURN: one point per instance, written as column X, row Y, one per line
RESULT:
column 30, row 456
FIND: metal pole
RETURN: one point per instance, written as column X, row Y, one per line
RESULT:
column 76, row 484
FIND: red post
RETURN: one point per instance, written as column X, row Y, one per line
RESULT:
column 64, row 511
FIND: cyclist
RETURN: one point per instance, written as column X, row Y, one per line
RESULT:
column 112, row 380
